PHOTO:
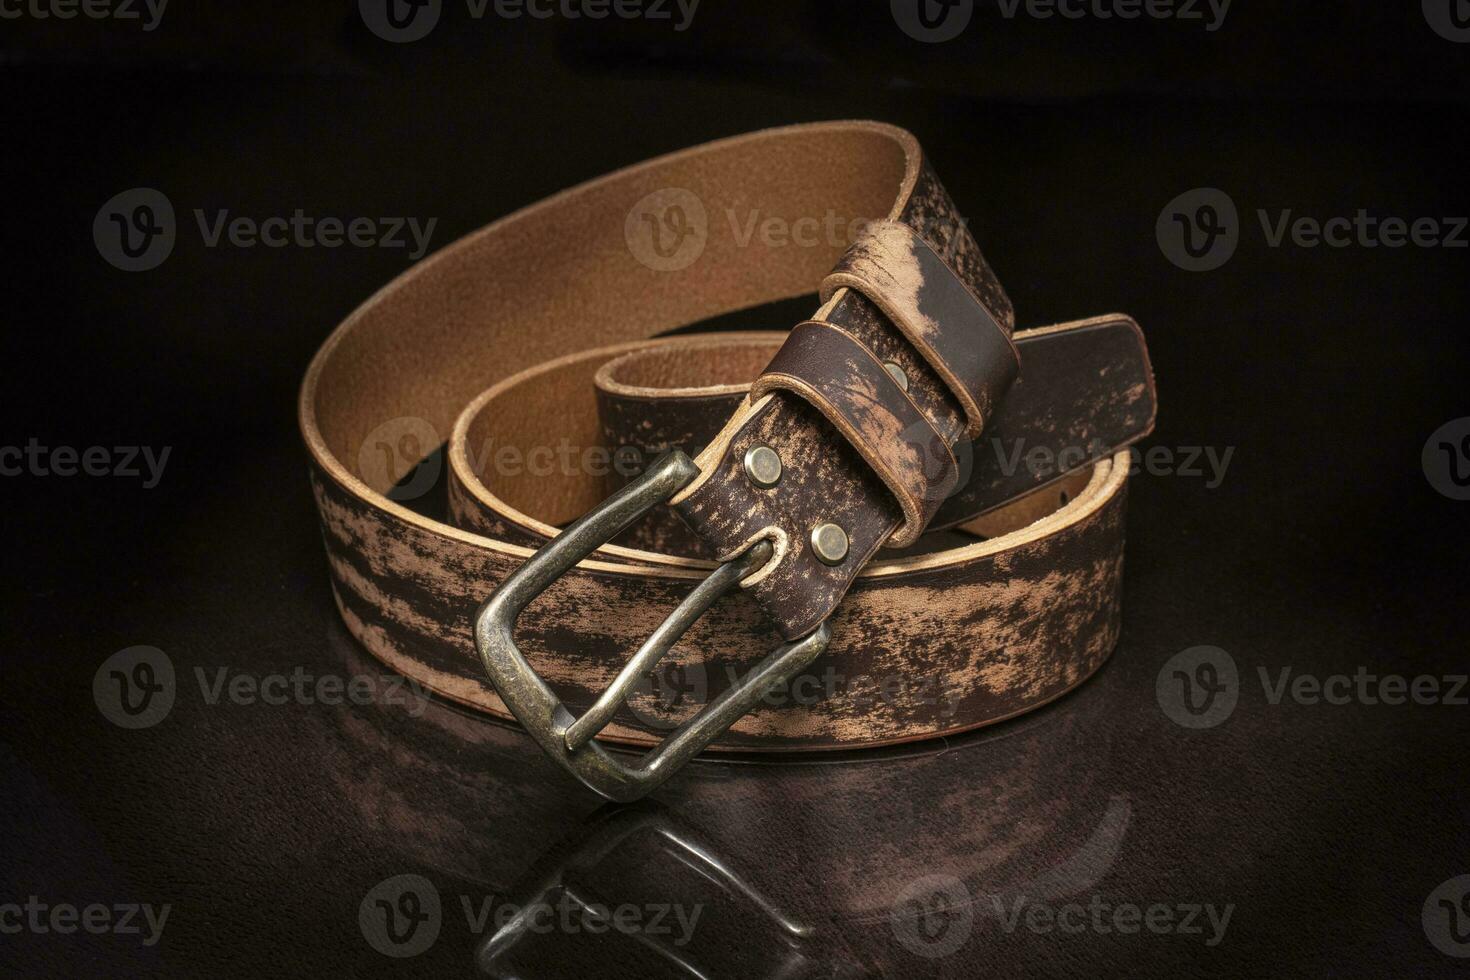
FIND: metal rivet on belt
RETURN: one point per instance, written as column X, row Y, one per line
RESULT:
column 763, row 466
column 896, row 373
column 829, row 542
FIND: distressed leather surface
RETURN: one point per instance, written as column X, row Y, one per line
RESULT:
column 833, row 372
column 926, row 644
column 797, row 590
column 1089, row 392
column 891, row 265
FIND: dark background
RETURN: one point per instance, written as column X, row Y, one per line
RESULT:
column 1325, row 548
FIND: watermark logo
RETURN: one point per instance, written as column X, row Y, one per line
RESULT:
column 302, row 688
column 148, row 13
column 400, row 457
column 1446, row 459
column 666, row 696
column 672, row 692
column 135, row 230
column 1199, row 687
column 932, row 21
column 1199, row 230
column 1450, row 19
column 667, row 230
column 401, row 916
column 400, row 21
column 933, row 916
column 403, row 21
column 1446, row 917
column 1211, row 13
column 135, row 688
column 670, row 228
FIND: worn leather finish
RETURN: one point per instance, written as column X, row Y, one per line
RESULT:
column 1089, row 392
column 891, row 265
column 833, row 372
column 538, row 303
column 796, row 591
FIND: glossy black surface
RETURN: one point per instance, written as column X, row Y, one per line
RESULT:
column 270, row 830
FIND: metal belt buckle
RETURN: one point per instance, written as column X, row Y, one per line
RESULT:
column 569, row 740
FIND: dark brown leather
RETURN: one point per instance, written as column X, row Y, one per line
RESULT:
column 1089, row 392
column 957, row 336
column 1086, row 389
column 534, row 306
column 828, row 479
column 833, row 372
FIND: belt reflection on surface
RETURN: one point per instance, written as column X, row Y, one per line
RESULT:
column 885, row 861
column 610, row 830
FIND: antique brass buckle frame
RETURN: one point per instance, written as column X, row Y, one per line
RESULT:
column 569, row 740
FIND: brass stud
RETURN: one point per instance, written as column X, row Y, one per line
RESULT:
column 829, row 543
column 763, row 466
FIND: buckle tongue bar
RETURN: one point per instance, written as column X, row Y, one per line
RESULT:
column 722, row 580
column 569, row 740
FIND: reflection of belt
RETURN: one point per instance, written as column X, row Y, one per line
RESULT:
column 904, row 404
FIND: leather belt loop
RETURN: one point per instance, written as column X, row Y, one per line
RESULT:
column 833, row 371
column 926, row 299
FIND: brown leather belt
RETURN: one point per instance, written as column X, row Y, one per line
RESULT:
column 905, row 404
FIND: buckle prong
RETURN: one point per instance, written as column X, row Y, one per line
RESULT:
column 662, row 640
column 569, row 740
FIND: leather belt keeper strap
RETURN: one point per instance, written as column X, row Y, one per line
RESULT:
column 819, row 457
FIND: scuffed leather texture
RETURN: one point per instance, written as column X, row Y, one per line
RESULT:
column 839, row 377
column 924, row 649
column 957, row 336
column 925, row 645
column 729, row 511
column 1094, row 374
column 1086, row 389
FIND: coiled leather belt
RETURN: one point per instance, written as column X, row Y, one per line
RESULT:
column 907, row 403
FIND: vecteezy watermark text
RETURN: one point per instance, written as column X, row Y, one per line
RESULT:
column 935, row 21
column 402, row 916
column 668, row 229
column 1200, row 229
column 136, row 230
column 97, row 918
column 1102, row 918
column 395, row 459
column 1200, row 462
column 1200, row 687
column 404, row 21
column 137, row 687
column 935, row 916
column 125, row 462
column 670, row 693
column 148, row 13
